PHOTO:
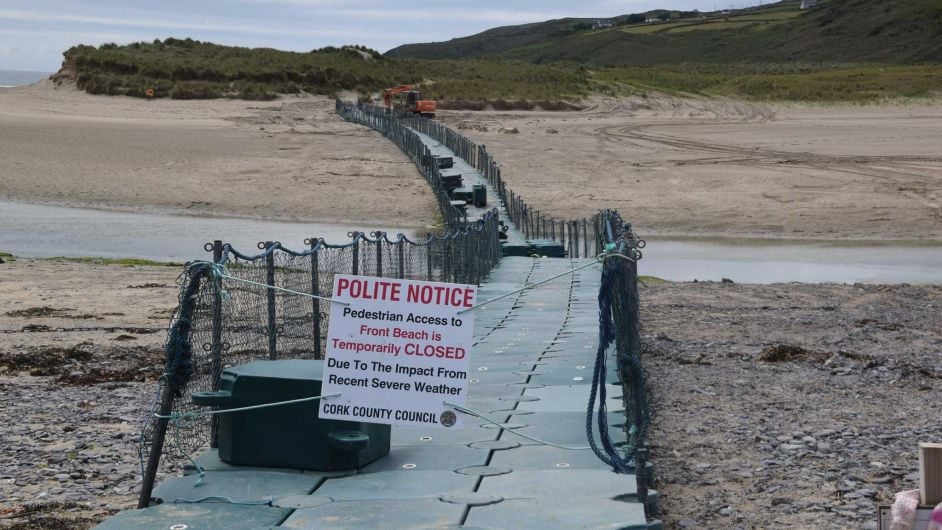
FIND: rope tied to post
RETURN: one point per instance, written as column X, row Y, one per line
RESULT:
column 631, row 361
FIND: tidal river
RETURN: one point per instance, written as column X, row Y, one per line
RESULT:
column 31, row 230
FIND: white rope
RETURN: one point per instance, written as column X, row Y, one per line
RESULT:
column 188, row 415
column 221, row 272
column 475, row 413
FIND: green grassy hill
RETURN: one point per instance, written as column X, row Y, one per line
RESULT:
column 837, row 31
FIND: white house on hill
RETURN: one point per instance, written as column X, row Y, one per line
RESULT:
column 808, row 4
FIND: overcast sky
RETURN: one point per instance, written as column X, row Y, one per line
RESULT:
column 34, row 33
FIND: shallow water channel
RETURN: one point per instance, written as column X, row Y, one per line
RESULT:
column 764, row 261
column 39, row 231
column 31, row 230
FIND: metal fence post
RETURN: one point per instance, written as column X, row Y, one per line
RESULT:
column 597, row 233
column 476, row 258
column 157, row 447
column 574, row 229
column 215, row 366
column 355, row 270
column 637, row 384
column 315, row 303
column 585, row 237
column 270, row 280
column 379, row 253
column 569, row 238
column 402, row 258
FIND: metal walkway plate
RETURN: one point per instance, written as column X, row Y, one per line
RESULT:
column 566, row 512
column 386, row 485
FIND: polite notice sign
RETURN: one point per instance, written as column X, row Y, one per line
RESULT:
column 398, row 351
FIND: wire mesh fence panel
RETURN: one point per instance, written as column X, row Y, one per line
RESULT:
column 275, row 305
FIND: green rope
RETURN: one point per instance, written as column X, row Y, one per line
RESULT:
column 199, row 469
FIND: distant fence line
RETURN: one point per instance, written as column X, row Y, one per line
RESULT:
column 396, row 127
column 580, row 237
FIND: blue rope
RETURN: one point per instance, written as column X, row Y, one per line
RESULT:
column 608, row 453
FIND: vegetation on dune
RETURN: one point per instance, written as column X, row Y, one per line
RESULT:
column 189, row 69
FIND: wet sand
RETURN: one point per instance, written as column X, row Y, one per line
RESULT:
column 67, row 231
column 292, row 159
column 691, row 167
column 673, row 166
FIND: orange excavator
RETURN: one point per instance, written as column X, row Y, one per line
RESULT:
column 407, row 99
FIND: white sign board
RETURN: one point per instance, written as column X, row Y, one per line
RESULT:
column 398, row 351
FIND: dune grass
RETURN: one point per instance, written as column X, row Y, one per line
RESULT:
column 188, row 69
column 783, row 82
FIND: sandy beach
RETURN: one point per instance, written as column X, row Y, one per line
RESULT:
column 692, row 167
column 675, row 167
column 292, row 159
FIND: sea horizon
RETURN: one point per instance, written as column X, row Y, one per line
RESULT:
column 12, row 78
